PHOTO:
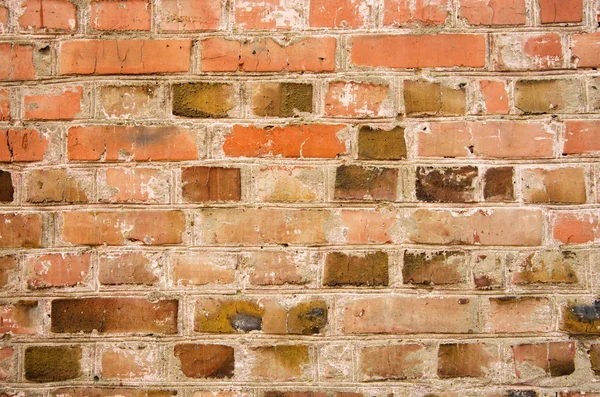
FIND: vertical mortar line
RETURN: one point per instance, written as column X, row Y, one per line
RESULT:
column 532, row 17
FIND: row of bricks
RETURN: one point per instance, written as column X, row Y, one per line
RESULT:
column 378, row 98
column 446, row 139
column 168, row 16
column 229, row 272
column 325, row 315
column 555, row 185
column 505, row 362
column 262, row 226
column 299, row 54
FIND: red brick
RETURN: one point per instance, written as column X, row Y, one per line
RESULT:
column 55, row 104
column 137, row 362
column 121, row 15
column 7, row 363
column 461, row 360
column 426, row 12
column 267, row 14
column 557, row 11
column 582, row 137
column 555, row 358
column 484, row 227
column 110, row 56
column 584, row 50
column 206, row 361
column 202, row 268
column 5, row 105
column 488, row 140
column 58, row 15
column 3, row 18
column 22, row 145
column 392, row 362
column 57, row 270
column 124, row 143
column 129, row 268
column 493, row 12
column 280, row 268
column 313, row 54
column 340, row 13
column 404, row 315
column 367, row 227
column 353, row 99
column 294, row 141
column 520, row 315
column 20, row 230
column 16, row 62
column 114, row 315
column 527, row 51
column 200, row 184
column 190, row 15
column 426, row 51
column 21, row 317
column 574, row 228
column 496, row 96
column 119, row 228
column 8, row 267
column 124, row 185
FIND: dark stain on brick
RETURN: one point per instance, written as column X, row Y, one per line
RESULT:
column 347, row 269
column 202, row 100
column 499, row 184
column 448, row 185
column 581, row 319
column 52, row 363
column 307, row 318
column 378, row 144
column 432, row 268
column 7, row 190
column 356, row 182
column 201, row 184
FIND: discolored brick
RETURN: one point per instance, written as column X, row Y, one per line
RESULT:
column 434, row 268
column 279, row 362
column 353, row 182
column 281, row 99
column 203, row 100
column 228, row 316
column 55, row 186
column 560, row 185
column 128, row 268
column 554, row 358
column 595, row 358
column 392, row 362
column 7, row 189
column 460, row 360
column 580, row 318
column 448, row 184
column 366, row 269
column 499, row 184
column 202, row 184
column 307, row 318
column 423, row 98
column 548, row 267
column 205, row 361
column 381, row 144
column 548, row 96
column 52, row 363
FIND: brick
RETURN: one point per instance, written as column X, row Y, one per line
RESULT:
column 487, row 140
column 422, row 98
column 281, row 99
column 7, row 190
column 21, row 230
column 434, row 268
column 114, row 315
column 359, row 269
column 3, row 18
column 137, row 362
column 485, row 227
column 488, row 271
column 554, row 358
column 583, row 46
column 527, row 51
column 290, row 141
column 425, row 51
column 201, row 184
column 499, row 184
column 100, row 57
column 392, row 362
column 204, row 100
column 496, row 96
column 595, row 358
column 269, row 14
column 122, row 15
column 404, row 315
column 5, row 114
column 16, row 62
column 120, row 228
column 128, row 268
column 263, row 226
column 354, row 182
column 493, row 12
column 582, row 137
column 573, row 228
column 559, row 11
column 289, row 184
column 447, row 184
column 23, row 145
column 368, row 227
column 56, row 186
column 565, row 185
column 202, row 268
column 56, row 104
column 279, row 268
column 280, row 362
column 580, row 318
column 381, row 144
column 131, row 101
column 354, row 99
column 520, row 315
column 52, row 363
column 205, row 361
column 127, row 185
column 20, row 318
column 7, row 363
column 111, row 392
column 312, row 54
column 190, row 15
column 548, row 96
column 52, row 15
column 425, row 13
column 465, row 360
column 57, row 270
column 8, row 269
column 339, row 14
column 125, row 143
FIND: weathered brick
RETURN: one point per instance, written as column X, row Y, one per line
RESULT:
column 557, row 185
column 7, row 190
column 114, row 315
column 354, row 182
column 368, row 227
column 381, row 144
column 580, row 317
column 595, row 358
column 340, row 13
column 21, row 230
column 280, row 362
column 205, row 361
column 434, row 268
column 20, row 317
column 57, row 270
column 548, row 96
column 52, row 363
column 356, row 99
column 425, row 12
column 119, row 228
column 493, row 12
column 559, row 11
column 7, row 363
column 136, row 362
column 52, row 15
column 190, row 15
column 289, row 184
column 55, row 104
column 279, row 268
column 460, row 360
column 57, row 185
column 583, row 45
column 126, row 185
column 554, row 358
column 205, row 100
column 488, row 271
column 573, row 228
column 527, row 51
column 5, row 113
column 392, row 362
column 448, row 184
column 422, row 98
column 131, row 101
column 202, row 268
column 122, row 15
column 520, row 315
column 268, row 14
column 129, row 268
column 496, row 96
column 8, row 269
column 582, row 137
column 499, row 184
column 281, row 99
column 16, row 62
column 360, row 269
column 200, row 184
column 23, row 145
column 426, row 51
column 112, row 392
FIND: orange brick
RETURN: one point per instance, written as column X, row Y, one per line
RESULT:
column 60, row 15
column 493, row 12
column 57, row 270
column 426, row 12
column 558, row 11
column 202, row 268
column 340, row 13
column 528, row 51
column 190, row 15
column 5, row 105
column 352, row 99
column 584, row 54
column 137, row 362
column 21, row 317
column 582, row 137
column 520, row 315
column 267, row 14
column 22, row 145
column 21, row 230
column 496, row 96
column 123, row 185
column 121, row 15
column 16, row 62
column 129, row 268
column 574, row 228
column 56, row 104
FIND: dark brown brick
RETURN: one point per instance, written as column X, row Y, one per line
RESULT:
column 52, row 363
column 203, row 100
column 459, row 360
column 422, row 98
column 498, row 184
column 211, row 184
column 206, row 361
column 447, row 185
column 7, row 190
column 379, row 144
column 595, row 358
column 281, row 99
column 353, row 182
column 429, row 268
column 307, row 318
column 369, row 269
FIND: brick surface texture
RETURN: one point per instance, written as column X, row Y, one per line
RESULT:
column 299, row 198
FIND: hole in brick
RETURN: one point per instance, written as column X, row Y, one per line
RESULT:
column 44, row 50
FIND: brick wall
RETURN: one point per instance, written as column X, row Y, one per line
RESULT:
column 299, row 198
